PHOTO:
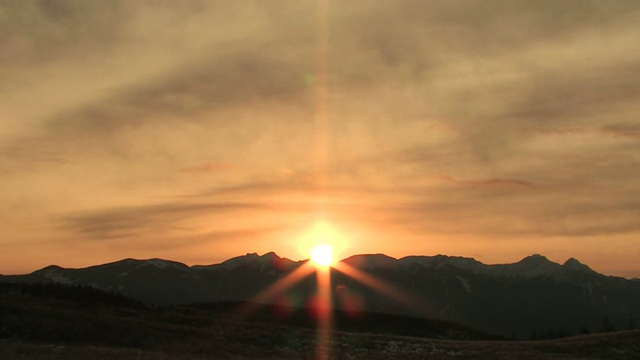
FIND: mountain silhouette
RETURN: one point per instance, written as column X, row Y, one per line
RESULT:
column 532, row 296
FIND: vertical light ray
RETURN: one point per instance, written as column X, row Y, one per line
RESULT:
column 324, row 304
column 325, row 312
column 321, row 105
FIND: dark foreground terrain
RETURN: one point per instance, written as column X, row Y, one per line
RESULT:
column 534, row 298
column 65, row 323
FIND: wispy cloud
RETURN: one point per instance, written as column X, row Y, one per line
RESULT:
column 482, row 118
column 147, row 220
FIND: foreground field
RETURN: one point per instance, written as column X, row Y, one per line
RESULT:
column 33, row 327
column 625, row 345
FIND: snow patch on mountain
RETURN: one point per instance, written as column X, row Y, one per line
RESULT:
column 440, row 261
column 465, row 283
column 163, row 264
column 371, row 261
column 266, row 261
column 55, row 276
column 530, row 267
column 239, row 261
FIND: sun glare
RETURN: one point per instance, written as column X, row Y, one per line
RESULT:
column 322, row 255
column 323, row 244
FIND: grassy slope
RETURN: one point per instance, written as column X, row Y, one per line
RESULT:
column 34, row 328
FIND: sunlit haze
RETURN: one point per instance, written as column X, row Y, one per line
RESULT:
column 201, row 130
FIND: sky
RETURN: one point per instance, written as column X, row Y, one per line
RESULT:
column 197, row 131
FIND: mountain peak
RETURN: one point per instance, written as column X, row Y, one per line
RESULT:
column 271, row 260
column 163, row 264
column 52, row 267
column 48, row 269
column 534, row 265
column 574, row 264
column 535, row 258
column 234, row 262
column 267, row 260
column 270, row 255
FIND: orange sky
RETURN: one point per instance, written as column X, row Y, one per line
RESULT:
column 204, row 130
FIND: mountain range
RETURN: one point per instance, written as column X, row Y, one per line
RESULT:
column 530, row 298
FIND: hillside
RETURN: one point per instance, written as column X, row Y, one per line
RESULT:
column 533, row 298
column 37, row 326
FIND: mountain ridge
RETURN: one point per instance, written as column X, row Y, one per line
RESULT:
column 531, row 295
column 366, row 260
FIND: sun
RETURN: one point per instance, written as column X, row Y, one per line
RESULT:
column 322, row 255
column 323, row 243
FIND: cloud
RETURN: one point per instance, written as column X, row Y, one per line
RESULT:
column 493, row 183
column 146, row 220
column 222, row 83
column 211, row 167
column 624, row 130
column 33, row 31
column 452, row 117
column 488, row 83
